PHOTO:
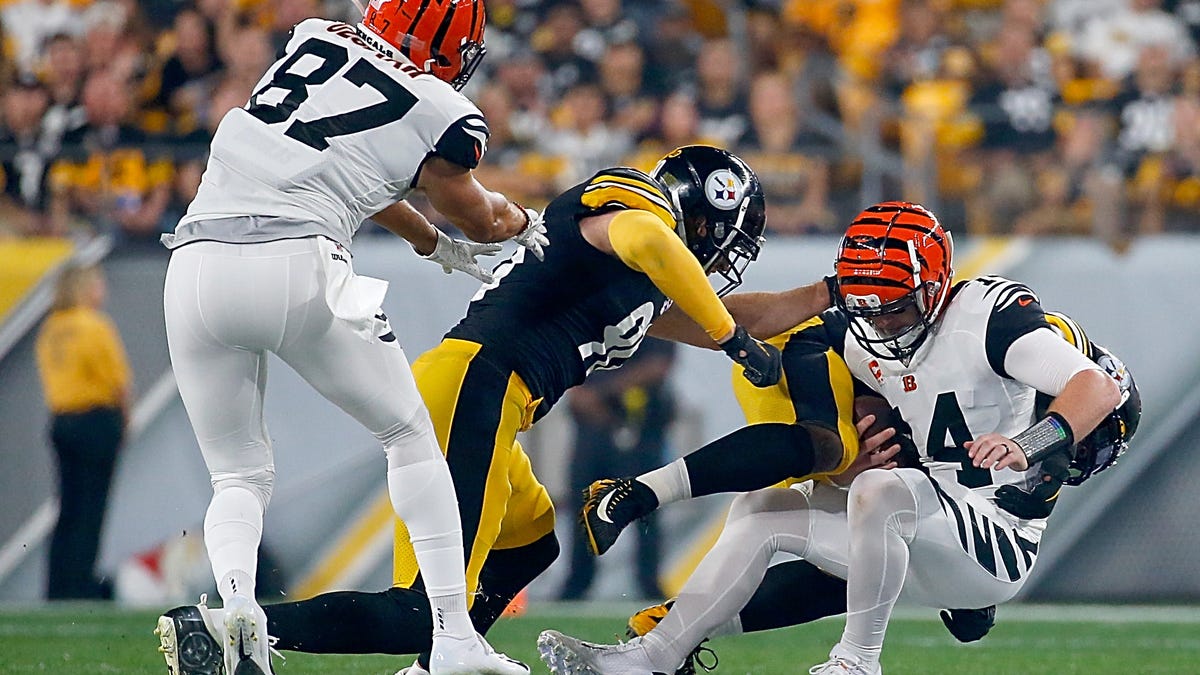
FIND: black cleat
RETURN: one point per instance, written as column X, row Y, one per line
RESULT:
column 609, row 506
column 646, row 619
column 188, row 641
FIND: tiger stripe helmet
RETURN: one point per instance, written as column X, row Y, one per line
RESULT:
column 441, row 37
column 895, row 255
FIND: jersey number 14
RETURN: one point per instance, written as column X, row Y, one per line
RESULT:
column 316, row 133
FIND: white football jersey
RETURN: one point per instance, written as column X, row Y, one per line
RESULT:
column 334, row 133
column 955, row 388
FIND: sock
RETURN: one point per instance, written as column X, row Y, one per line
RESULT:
column 669, row 483
column 232, row 532
column 780, row 451
column 423, row 497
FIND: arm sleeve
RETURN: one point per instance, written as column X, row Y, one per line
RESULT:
column 643, row 242
column 1045, row 361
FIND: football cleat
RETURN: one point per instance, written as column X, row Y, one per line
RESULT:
column 646, row 619
column 842, row 662
column 453, row 656
column 565, row 655
column 188, row 639
column 415, row 669
column 247, row 647
column 609, row 506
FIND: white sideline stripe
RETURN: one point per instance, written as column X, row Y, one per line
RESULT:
column 39, row 526
column 28, row 536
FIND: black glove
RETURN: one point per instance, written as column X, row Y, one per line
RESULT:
column 1038, row 502
column 762, row 362
column 969, row 625
column 831, row 285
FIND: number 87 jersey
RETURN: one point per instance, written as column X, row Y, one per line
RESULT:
column 334, row 132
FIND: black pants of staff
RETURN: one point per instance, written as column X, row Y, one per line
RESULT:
column 597, row 456
column 86, row 444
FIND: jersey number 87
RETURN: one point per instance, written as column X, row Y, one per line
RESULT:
column 316, row 133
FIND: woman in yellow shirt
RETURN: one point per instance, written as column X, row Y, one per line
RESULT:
column 85, row 380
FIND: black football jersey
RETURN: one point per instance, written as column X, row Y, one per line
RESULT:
column 556, row 320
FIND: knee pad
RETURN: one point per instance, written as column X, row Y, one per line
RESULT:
column 882, row 494
column 410, row 441
column 260, row 481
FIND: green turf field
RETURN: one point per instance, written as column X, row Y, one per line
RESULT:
column 85, row 639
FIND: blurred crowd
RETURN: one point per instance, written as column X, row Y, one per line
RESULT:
column 1007, row 116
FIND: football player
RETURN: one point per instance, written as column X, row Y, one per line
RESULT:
column 962, row 365
column 631, row 255
column 342, row 127
column 797, row 592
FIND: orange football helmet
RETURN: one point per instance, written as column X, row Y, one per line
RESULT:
column 441, row 37
column 895, row 255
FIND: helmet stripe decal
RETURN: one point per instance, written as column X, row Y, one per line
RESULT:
column 435, row 46
column 476, row 8
column 413, row 26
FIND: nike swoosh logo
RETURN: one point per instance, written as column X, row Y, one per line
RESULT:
column 602, row 508
column 1024, row 302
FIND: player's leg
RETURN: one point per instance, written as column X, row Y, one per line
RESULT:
column 525, row 547
column 901, row 531
column 759, row 525
column 217, row 333
column 370, row 379
column 821, row 439
column 477, row 410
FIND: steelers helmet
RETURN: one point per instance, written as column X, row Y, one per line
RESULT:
column 720, row 210
column 1110, row 439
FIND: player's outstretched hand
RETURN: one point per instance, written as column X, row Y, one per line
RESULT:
column 762, row 362
column 458, row 254
column 533, row 237
column 969, row 625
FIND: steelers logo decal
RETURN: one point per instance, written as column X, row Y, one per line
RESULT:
column 724, row 190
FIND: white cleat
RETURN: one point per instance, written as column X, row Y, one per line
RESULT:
column 414, row 669
column 842, row 662
column 470, row 656
column 247, row 647
column 565, row 655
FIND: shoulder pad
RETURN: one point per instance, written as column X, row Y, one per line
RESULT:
column 623, row 187
column 1071, row 332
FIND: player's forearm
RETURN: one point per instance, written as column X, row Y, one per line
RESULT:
column 644, row 244
column 402, row 220
column 765, row 315
column 1090, row 395
column 482, row 215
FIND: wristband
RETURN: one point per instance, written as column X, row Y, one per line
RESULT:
column 1047, row 435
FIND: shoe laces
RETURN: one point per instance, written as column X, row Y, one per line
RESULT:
column 271, row 642
column 851, row 667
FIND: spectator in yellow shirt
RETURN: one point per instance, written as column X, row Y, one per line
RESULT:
column 86, row 383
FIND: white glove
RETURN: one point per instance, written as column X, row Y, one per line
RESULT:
column 533, row 237
column 458, row 254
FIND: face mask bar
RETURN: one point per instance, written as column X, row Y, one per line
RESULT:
column 737, row 252
column 472, row 55
column 900, row 346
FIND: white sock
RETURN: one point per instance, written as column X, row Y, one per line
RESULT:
column 232, row 532
column 670, row 483
column 423, row 497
